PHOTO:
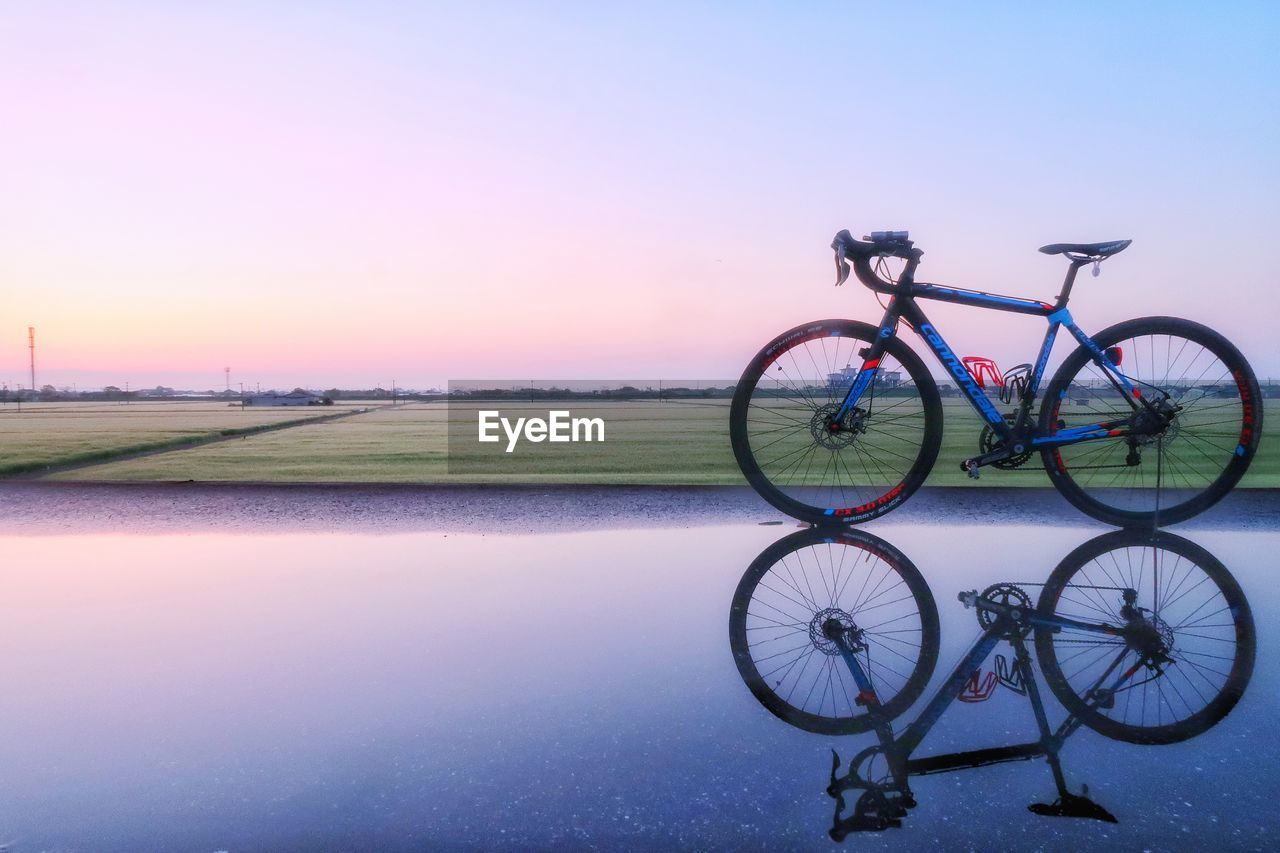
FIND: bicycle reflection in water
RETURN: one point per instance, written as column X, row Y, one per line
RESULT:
column 1143, row 637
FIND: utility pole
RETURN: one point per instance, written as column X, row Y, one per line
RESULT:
column 31, row 342
column 227, row 371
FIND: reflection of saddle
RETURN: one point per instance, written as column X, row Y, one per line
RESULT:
column 1070, row 805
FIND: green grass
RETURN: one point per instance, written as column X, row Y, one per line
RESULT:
column 673, row 443
column 52, row 434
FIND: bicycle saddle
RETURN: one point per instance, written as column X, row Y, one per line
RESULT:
column 1088, row 250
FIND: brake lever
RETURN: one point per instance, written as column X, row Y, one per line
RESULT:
column 842, row 266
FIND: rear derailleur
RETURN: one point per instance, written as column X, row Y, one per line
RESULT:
column 1155, row 424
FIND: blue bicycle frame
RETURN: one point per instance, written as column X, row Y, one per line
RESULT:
column 1008, row 623
column 902, row 306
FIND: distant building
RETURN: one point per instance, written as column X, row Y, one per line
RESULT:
column 844, row 378
column 294, row 398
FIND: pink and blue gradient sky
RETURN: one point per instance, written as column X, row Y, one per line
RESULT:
column 327, row 194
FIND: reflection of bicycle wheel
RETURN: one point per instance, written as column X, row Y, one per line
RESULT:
column 783, row 611
column 1186, row 648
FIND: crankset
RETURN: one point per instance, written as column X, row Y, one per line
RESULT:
column 1014, row 599
column 991, row 445
column 996, row 453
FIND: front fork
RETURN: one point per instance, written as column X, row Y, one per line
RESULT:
column 868, row 698
column 871, row 356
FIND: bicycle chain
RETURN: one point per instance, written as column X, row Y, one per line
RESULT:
column 1070, row 585
column 987, row 437
column 1074, row 585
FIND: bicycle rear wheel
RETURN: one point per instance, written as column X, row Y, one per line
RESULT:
column 1198, row 458
column 1196, row 626
column 788, row 596
column 780, row 424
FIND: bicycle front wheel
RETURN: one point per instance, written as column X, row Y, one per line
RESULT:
column 806, row 585
column 1188, row 651
column 1197, row 459
column 780, row 424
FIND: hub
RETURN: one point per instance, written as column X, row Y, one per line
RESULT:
column 836, row 434
column 1149, row 426
column 833, row 627
column 1148, row 634
column 1153, row 637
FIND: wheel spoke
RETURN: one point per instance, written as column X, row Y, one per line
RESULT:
column 1115, row 478
column 785, row 613
column 808, row 457
column 1186, row 640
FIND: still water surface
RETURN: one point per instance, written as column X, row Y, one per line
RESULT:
column 572, row 690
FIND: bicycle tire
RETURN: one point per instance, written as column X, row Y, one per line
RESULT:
column 842, row 500
column 1137, row 503
column 884, row 569
column 1097, row 561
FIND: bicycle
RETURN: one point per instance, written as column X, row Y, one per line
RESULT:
column 840, row 421
column 1143, row 637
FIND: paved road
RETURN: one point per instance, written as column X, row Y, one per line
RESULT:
column 49, row 507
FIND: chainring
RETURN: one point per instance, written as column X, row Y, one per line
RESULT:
column 1007, row 594
column 988, row 441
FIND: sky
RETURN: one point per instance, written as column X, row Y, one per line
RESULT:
column 330, row 194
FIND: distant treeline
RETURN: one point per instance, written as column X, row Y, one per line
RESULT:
column 623, row 392
column 47, row 393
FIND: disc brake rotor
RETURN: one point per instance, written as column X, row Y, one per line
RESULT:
column 833, row 434
column 830, row 623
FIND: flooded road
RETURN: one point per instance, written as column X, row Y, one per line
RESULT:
column 275, row 689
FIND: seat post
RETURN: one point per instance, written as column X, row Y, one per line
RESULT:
column 1067, row 284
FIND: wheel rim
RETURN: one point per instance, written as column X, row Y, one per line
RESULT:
column 1190, row 614
column 780, row 629
column 1209, row 433
column 845, row 467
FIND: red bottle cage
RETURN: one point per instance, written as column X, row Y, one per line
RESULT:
column 981, row 369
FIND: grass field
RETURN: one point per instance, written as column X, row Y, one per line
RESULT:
column 59, row 433
column 672, row 443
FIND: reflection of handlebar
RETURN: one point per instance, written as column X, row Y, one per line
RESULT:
column 877, row 808
column 873, row 812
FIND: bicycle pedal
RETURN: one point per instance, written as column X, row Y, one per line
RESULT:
column 970, row 467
